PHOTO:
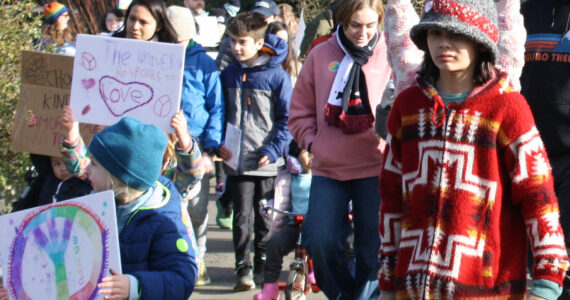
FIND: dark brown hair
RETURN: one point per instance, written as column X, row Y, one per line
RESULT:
column 248, row 24
column 157, row 9
column 483, row 69
column 103, row 19
column 344, row 10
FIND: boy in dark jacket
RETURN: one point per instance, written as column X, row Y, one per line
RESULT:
column 257, row 92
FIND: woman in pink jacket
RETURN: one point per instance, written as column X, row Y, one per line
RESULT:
column 332, row 116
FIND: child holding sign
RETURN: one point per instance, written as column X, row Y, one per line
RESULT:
column 53, row 182
column 257, row 92
column 127, row 157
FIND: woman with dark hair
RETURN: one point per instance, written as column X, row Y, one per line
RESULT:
column 147, row 20
column 110, row 21
column 291, row 64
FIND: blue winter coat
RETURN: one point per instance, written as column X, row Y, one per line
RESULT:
column 257, row 101
column 155, row 249
column 202, row 97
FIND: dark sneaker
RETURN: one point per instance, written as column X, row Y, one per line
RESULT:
column 244, row 279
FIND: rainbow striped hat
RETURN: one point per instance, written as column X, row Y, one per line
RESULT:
column 52, row 11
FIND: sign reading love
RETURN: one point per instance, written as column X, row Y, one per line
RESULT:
column 116, row 77
column 122, row 97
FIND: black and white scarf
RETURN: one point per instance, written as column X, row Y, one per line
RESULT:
column 348, row 105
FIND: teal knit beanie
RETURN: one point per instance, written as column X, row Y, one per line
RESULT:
column 132, row 151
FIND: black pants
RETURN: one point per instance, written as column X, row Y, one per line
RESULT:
column 220, row 173
column 561, row 173
column 281, row 243
column 246, row 192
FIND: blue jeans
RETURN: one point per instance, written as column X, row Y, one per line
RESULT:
column 326, row 229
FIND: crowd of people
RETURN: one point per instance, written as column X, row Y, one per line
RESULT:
column 445, row 135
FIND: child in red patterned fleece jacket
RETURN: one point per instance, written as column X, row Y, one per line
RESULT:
column 466, row 183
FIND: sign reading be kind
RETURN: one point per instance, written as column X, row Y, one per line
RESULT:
column 114, row 78
column 46, row 83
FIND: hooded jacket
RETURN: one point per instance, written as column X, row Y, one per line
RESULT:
column 155, row 248
column 225, row 56
column 202, row 98
column 546, row 73
column 257, row 102
column 458, row 198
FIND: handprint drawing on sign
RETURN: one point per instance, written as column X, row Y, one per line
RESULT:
column 50, row 237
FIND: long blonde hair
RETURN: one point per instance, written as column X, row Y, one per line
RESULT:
column 169, row 157
column 288, row 17
column 291, row 64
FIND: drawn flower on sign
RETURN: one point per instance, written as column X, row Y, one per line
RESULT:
column 121, row 97
column 35, row 69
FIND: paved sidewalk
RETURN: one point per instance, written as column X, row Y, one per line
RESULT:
column 220, row 264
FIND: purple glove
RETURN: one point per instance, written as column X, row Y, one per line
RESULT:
column 294, row 165
column 264, row 207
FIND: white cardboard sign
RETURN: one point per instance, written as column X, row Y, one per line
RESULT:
column 60, row 250
column 115, row 77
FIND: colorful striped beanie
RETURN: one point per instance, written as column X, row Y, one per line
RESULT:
column 52, row 11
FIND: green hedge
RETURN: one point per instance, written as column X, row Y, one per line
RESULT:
column 19, row 28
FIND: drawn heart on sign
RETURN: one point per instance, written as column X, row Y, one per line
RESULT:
column 88, row 83
column 122, row 97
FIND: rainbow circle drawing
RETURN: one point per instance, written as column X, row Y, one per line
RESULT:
column 59, row 252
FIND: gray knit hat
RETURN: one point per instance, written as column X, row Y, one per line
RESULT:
column 183, row 22
column 475, row 19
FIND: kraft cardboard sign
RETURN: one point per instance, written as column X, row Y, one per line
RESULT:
column 60, row 250
column 114, row 78
column 44, row 91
